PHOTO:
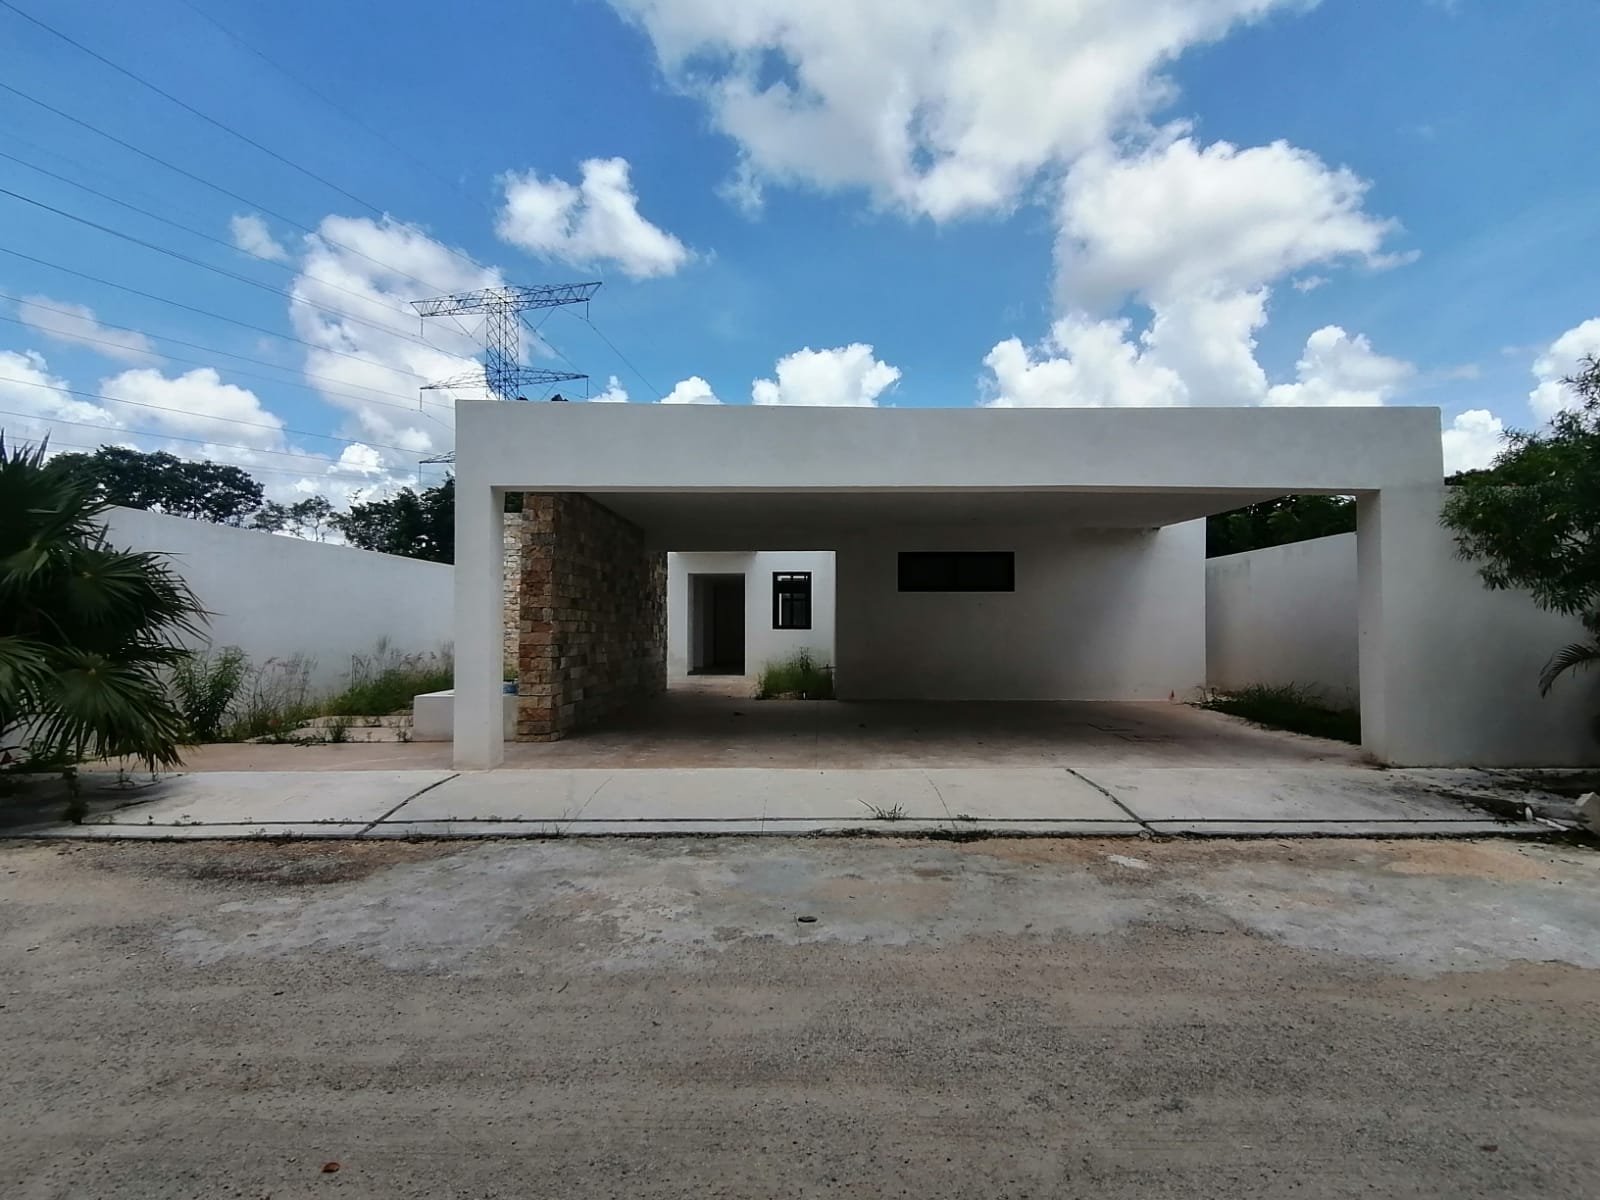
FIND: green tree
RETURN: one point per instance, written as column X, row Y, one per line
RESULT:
column 415, row 524
column 309, row 518
column 162, row 482
column 1533, row 521
column 1278, row 522
column 87, row 632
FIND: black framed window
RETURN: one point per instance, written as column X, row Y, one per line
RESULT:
column 791, row 599
column 958, row 571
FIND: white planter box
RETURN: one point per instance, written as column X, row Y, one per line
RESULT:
column 433, row 717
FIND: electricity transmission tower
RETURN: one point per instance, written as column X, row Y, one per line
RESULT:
column 502, row 310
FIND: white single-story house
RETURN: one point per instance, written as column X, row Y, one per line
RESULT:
column 982, row 554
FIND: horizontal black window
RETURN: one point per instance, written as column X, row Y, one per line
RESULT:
column 791, row 599
column 958, row 571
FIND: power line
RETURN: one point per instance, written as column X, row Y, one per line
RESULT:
column 223, row 271
column 190, row 229
column 122, row 287
column 217, row 187
column 185, row 412
column 99, row 170
column 235, row 372
column 222, row 125
column 161, row 337
column 187, row 107
column 626, row 360
column 329, row 101
column 252, row 469
column 150, row 433
column 540, row 337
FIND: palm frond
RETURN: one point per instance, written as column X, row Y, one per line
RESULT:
column 99, row 708
column 24, row 674
column 1570, row 657
column 88, row 632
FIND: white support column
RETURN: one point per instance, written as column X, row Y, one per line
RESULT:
column 479, row 616
column 1408, row 678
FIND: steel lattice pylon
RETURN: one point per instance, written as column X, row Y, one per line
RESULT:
column 502, row 308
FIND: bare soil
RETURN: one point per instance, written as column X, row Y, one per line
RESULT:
column 653, row 1019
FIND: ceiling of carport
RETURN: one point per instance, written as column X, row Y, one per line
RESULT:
column 691, row 519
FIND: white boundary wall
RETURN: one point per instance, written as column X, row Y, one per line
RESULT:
column 762, row 643
column 1112, row 614
column 1291, row 614
column 1285, row 615
column 276, row 597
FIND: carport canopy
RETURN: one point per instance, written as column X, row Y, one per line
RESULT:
column 744, row 477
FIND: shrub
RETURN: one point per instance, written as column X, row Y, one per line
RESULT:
column 385, row 682
column 799, row 675
column 205, row 686
column 223, row 699
column 1296, row 709
column 276, row 702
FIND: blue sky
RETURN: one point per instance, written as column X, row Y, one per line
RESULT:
column 907, row 202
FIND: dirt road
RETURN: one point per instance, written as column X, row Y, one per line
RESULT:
column 655, row 1019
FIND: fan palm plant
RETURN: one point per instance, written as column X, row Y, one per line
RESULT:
column 1572, row 656
column 87, row 631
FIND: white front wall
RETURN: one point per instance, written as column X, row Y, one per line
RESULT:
column 1096, row 615
column 1285, row 615
column 1291, row 614
column 762, row 643
column 277, row 597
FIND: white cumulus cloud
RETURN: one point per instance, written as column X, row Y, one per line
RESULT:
column 1197, row 236
column 75, row 325
column 1338, row 369
column 351, row 300
column 692, row 390
column 196, row 404
column 250, row 234
column 845, row 376
column 1081, row 364
column 939, row 107
column 614, row 393
column 594, row 222
column 1472, row 440
column 1179, row 221
column 1095, row 364
column 28, row 387
column 1562, row 359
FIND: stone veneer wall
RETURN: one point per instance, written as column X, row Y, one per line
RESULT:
column 511, row 593
column 592, row 616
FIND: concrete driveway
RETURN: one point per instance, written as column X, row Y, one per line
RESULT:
column 768, row 1017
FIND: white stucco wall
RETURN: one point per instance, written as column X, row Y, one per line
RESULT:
column 762, row 643
column 278, row 596
column 1113, row 614
column 1285, row 615
column 1291, row 614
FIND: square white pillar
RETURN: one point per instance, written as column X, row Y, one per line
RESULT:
column 1408, row 669
column 479, row 621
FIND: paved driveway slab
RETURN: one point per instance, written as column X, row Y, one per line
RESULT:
column 273, row 797
column 1049, row 794
column 1278, row 795
column 1042, row 800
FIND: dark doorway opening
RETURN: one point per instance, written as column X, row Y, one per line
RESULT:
column 716, row 624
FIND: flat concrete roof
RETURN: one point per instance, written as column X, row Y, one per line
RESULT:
column 1199, row 452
